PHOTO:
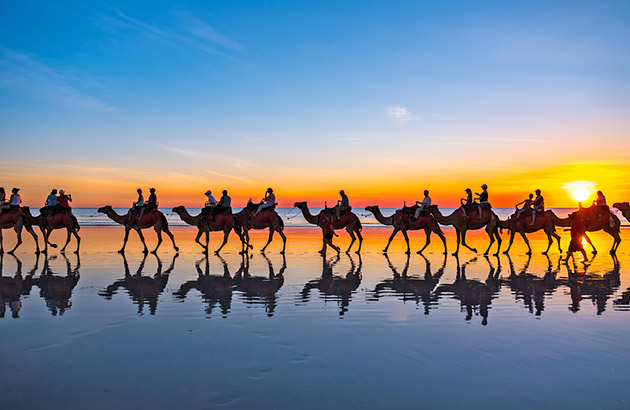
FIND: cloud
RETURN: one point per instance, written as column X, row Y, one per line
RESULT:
column 30, row 76
column 348, row 139
column 193, row 32
column 399, row 114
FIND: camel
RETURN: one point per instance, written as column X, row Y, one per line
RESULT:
column 463, row 224
column 142, row 289
column 61, row 220
column 624, row 207
column 215, row 289
column 16, row 220
column 257, row 289
column 522, row 226
column 610, row 225
column 349, row 221
column 266, row 219
column 400, row 223
column 223, row 222
column 155, row 219
column 412, row 288
column 332, row 285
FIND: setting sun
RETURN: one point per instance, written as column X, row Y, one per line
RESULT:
column 581, row 194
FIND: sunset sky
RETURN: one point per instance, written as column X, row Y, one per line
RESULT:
column 382, row 99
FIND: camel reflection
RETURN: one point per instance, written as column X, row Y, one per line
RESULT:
column 532, row 289
column 341, row 288
column 13, row 288
column 142, row 289
column 472, row 294
column 597, row 288
column 411, row 288
column 56, row 290
column 257, row 289
column 215, row 289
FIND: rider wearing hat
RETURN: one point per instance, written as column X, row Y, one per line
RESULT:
column 483, row 200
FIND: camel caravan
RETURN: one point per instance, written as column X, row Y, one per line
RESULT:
column 217, row 216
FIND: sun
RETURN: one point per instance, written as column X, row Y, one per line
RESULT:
column 581, row 194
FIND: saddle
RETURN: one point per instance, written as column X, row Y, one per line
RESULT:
column 333, row 210
column 409, row 210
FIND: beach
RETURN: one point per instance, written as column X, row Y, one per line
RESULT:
column 269, row 331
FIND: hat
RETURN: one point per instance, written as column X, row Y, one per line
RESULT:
column 484, row 186
column 207, row 192
column 61, row 191
column 15, row 189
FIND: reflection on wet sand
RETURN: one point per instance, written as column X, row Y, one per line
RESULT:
column 13, row 288
column 55, row 289
column 215, row 289
column 411, row 288
column 532, row 289
column 472, row 294
column 142, row 289
column 597, row 288
column 340, row 288
column 260, row 289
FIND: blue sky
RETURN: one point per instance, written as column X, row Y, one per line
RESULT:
column 349, row 85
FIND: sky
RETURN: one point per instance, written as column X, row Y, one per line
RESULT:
column 381, row 99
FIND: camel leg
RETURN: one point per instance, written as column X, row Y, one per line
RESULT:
column 68, row 237
column 18, row 233
column 499, row 241
column 284, row 241
column 1, row 243
column 241, row 236
column 351, row 237
column 463, row 234
column 427, row 232
column 207, row 240
column 491, row 235
column 158, row 231
column 404, row 232
column 512, row 233
column 529, row 248
column 617, row 241
column 555, row 235
column 34, row 235
column 249, row 246
column 458, row 234
column 271, row 231
column 171, row 236
column 443, row 238
column 78, row 238
column 125, row 239
column 145, row 250
column 391, row 237
column 199, row 233
column 588, row 240
column 361, row 241
column 225, row 239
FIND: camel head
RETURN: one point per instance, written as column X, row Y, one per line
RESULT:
column 178, row 209
column 300, row 205
column 371, row 208
column 433, row 209
column 622, row 206
column 105, row 209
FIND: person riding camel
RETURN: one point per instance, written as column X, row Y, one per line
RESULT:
column 483, row 200
column 328, row 232
column 225, row 203
column 136, row 207
column 527, row 206
column 16, row 200
column 343, row 204
column 63, row 203
column 150, row 205
column 210, row 203
column 51, row 201
column 422, row 206
column 539, row 206
column 3, row 200
column 467, row 203
column 268, row 201
column 600, row 205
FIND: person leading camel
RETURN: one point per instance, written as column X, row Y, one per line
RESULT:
column 539, row 206
column 577, row 232
column 327, row 234
column 342, row 205
column 422, row 206
column 527, row 206
column 268, row 201
column 483, row 200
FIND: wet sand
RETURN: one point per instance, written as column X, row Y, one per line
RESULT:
column 295, row 332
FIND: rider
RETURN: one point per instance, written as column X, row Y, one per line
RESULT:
column 224, row 204
column 3, row 200
column 269, row 201
column 63, row 202
column 539, row 206
column 600, row 205
column 210, row 203
column 16, row 199
column 150, row 205
column 527, row 206
column 423, row 206
column 483, row 200
column 342, row 205
column 467, row 203
column 138, row 204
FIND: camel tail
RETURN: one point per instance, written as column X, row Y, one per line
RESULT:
column 76, row 222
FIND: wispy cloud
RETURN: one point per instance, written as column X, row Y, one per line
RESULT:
column 400, row 114
column 348, row 139
column 191, row 31
column 31, row 76
column 202, row 155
